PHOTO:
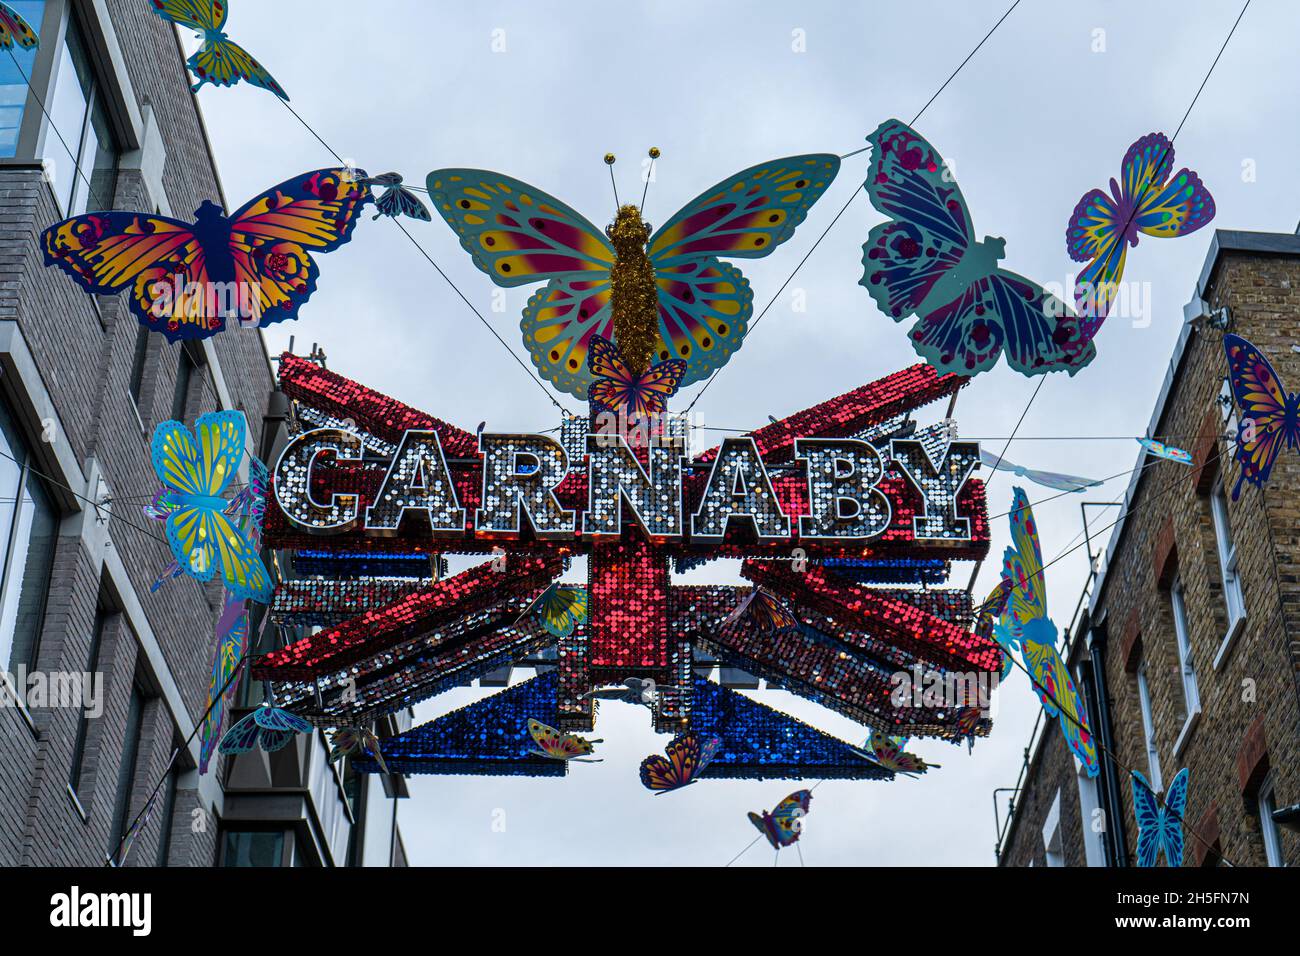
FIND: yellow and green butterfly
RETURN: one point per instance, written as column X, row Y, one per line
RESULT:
column 520, row 235
column 220, row 61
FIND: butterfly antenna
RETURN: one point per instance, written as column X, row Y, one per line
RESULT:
column 649, row 175
column 609, row 161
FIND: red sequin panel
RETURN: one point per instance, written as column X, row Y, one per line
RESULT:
column 853, row 411
column 375, row 412
column 576, row 714
column 361, row 636
column 628, row 612
column 946, row 645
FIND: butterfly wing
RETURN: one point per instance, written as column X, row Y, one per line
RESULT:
column 555, row 744
column 223, row 62
column 242, row 737
column 704, row 310
column 1029, row 595
column 14, row 28
column 280, row 721
column 201, row 15
column 397, row 201
column 201, row 464
column 1057, row 691
column 343, row 743
column 232, row 643
column 684, row 762
column 563, row 609
column 786, row 818
column 617, row 389
column 559, row 324
column 764, row 825
column 1164, row 206
column 1270, row 418
column 272, row 238
column 1147, row 813
column 1171, row 818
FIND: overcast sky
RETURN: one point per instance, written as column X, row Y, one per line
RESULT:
column 1037, row 118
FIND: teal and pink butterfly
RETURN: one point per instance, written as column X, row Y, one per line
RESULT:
column 1270, row 415
column 891, row 754
column 1025, row 626
column 219, row 61
column 519, row 235
column 1160, row 828
column 1147, row 201
column 195, row 470
column 688, row 756
column 784, row 825
column 268, row 727
column 925, row 262
column 232, row 645
column 14, row 29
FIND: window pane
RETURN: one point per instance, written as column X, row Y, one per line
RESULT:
column 83, row 721
column 14, row 77
column 126, row 769
column 67, row 108
column 98, row 163
column 184, row 376
column 253, row 848
column 137, row 363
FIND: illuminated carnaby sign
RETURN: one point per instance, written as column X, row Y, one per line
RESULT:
column 830, row 490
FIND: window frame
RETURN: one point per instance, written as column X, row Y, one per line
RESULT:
column 1188, row 680
column 1266, row 804
column 1154, row 773
column 1234, row 597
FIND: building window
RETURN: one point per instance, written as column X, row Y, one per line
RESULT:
column 126, row 769
column 1183, row 638
column 165, row 824
column 1149, row 730
column 138, row 362
column 1267, row 803
column 80, row 145
column 1227, row 549
column 28, row 533
column 83, row 720
column 1052, row 850
column 14, row 77
column 184, row 377
column 253, row 848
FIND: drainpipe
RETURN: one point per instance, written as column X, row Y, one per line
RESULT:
column 1115, row 842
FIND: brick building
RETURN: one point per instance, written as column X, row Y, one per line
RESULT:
column 108, row 120
column 1188, row 649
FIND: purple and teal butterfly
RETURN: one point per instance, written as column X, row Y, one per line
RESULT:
column 1270, row 415
column 1160, row 827
column 14, row 29
column 220, row 61
column 620, row 390
column 926, row 262
column 519, row 235
column 396, row 200
column 232, row 645
column 267, row 727
column 784, row 824
column 1024, row 622
column 1147, row 201
column 1167, row 452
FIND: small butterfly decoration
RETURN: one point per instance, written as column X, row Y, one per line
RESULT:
column 188, row 280
column 232, row 645
column 1160, row 827
column 14, row 29
column 1148, row 201
column 1048, row 479
column 688, row 757
column 1167, row 452
column 351, row 741
column 634, row 690
column 619, row 390
column 989, row 624
column 1270, row 415
column 396, row 200
column 964, row 727
column 889, row 753
column 784, row 825
column 220, row 61
column 561, row 609
column 664, row 294
column 764, row 611
column 268, row 727
column 1024, row 622
column 560, row 746
column 195, row 470
column 926, row 262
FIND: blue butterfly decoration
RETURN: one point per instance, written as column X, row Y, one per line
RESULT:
column 396, row 200
column 268, row 727
column 926, row 262
column 1160, row 828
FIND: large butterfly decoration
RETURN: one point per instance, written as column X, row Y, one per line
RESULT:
column 558, row 745
column 220, row 61
column 1270, row 415
column 1148, row 201
column 519, row 235
column 356, row 741
column 688, row 756
column 1048, row 479
column 1025, row 622
column 14, row 29
column 889, row 752
column 396, row 200
column 764, row 612
column 926, row 262
column 1160, row 827
column 196, row 470
column 618, row 389
column 784, row 825
column 232, row 645
column 186, row 280
column 268, row 727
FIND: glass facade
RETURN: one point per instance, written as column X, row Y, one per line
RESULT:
column 15, row 72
